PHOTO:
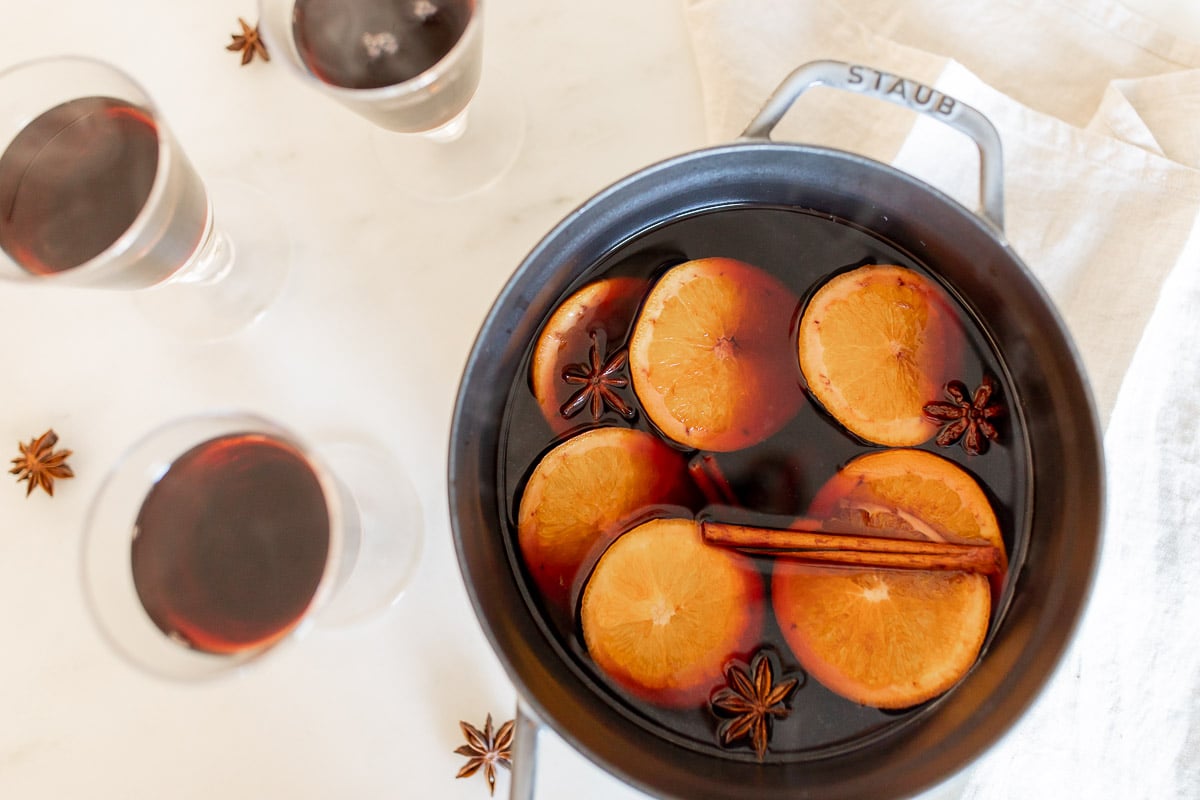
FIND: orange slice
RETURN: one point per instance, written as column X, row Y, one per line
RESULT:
column 891, row 638
column 876, row 344
column 584, row 492
column 605, row 307
column 912, row 492
column 711, row 355
column 663, row 612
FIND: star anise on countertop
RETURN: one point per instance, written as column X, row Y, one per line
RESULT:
column 40, row 464
column 967, row 417
column 753, row 698
column 486, row 749
column 249, row 43
column 600, row 378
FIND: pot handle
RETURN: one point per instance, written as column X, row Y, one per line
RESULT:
column 903, row 92
column 524, row 759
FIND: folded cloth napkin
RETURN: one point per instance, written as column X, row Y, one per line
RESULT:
column 1097, row 113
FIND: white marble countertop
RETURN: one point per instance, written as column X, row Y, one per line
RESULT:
column 369, row 336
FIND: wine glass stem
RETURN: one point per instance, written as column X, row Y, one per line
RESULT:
column 450, row 131
column 211, row 262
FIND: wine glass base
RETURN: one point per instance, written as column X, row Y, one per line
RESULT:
column 215, row 307
column 427, row 169
column 381, row 562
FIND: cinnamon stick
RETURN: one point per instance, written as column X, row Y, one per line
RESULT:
column 711, row 480
column 819, row 546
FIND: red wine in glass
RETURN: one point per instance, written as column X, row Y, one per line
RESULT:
column 231, row 543
column 74, row 180
column 96, row 192
column 216, row 537
column 409, row 66
column 368, row 44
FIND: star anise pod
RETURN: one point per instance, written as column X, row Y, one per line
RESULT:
column 249, row 43
column 486, row 749
column 600, row 378
column 967, row 417
column 753, row 698
column 40, row 464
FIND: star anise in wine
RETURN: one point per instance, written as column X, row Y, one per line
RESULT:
column 753, row 698
column 249, row 43
column 486, row 749
column 600, row 378
column 967, row 417
column 40, row 464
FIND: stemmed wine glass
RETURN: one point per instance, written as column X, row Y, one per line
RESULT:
column 95, row 191
column 445, row 126
column 219, row 536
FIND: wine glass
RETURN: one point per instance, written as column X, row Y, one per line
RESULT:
column 415, row 69
column 217, row 537
column 95, row 191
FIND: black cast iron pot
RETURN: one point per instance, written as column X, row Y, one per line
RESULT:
column 1062, row 524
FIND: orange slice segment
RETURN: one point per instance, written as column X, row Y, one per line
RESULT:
column 710, row 355
column 663, row 612
column 584, row 492
column 891, row 638
column 876, row 344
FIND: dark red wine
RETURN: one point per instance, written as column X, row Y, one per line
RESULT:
column 73, row 180
column 367, row 44
column 231, row 543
